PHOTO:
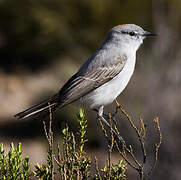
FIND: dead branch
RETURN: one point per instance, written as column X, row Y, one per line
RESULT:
column 49, row 137
column 127, row 151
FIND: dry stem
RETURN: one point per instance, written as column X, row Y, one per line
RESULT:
column 128, row 151
column 49, row 136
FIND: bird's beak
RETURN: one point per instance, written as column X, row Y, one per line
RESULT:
column 146, row 33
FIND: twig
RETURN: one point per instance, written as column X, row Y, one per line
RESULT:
column 51, row 140
column 103, row 130
column 49, row 136
column 142, row 144
column 124, row 151
column 97, row 168
column 118, row 147
column 125, row 158
column 111, row 145
column 157, row 145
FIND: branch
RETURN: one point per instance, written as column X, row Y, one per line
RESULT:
column 113, row 138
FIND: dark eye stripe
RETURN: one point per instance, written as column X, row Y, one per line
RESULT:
column 132, row 33
column 124, row 32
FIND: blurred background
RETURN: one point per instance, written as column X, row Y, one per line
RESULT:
column 43, row 43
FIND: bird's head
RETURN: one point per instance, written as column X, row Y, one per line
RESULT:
column 129, row 34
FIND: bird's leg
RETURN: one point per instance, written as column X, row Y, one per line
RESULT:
column 100, row 114
column 116, row 135
column 112, row 116
column 103, row 113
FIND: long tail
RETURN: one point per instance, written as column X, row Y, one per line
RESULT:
column 52, row 102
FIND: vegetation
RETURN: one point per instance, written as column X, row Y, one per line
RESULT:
column 12, row 165
column 47, row 41
column 72, row 162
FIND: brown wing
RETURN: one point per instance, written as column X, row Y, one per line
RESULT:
column 80, row 85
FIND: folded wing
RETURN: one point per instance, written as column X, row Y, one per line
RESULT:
column 77, row 86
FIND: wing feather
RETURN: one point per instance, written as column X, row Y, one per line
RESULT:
column 80, row 85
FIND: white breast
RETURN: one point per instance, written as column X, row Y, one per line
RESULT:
column 106, row 93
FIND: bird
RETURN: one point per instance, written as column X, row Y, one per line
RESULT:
column 102, row 78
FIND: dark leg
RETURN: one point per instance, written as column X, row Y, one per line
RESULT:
column 116, row 136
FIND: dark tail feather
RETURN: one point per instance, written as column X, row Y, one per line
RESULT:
column 42, row 107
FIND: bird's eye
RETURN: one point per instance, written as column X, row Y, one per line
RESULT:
column 132, row 33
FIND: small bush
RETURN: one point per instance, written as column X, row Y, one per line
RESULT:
column 12, row 165
column 72, row 162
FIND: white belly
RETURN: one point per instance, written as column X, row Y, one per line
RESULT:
column 106, row 93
